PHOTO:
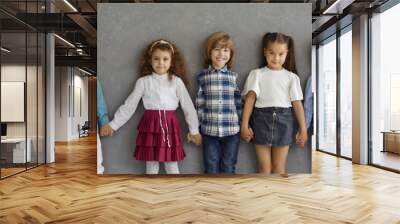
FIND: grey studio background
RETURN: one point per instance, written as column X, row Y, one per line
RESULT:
column 124, row 30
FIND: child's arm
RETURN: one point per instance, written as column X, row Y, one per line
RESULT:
column 102, row 114
column 238, row 100
column 189, row 111
column 301, row 136
column 250, row 91
column 125, row 111
column 245, row 131
column 296, row 96
column 200, row 103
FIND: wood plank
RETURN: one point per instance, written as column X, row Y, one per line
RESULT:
column 70, row 191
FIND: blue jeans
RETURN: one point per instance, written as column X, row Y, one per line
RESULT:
column 220, row 153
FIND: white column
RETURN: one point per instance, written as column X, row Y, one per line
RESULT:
column 360, row 90
column 50, row 93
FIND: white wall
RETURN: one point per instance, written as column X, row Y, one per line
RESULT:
column 71, row 87
column 33, row 126
column 61, row 103
column 16, row 73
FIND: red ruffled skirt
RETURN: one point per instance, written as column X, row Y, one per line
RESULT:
column 159, row 137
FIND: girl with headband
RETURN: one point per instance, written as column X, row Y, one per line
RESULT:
column 161, row 87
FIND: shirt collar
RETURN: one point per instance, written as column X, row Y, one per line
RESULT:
column 158, row 76
column 212, row 69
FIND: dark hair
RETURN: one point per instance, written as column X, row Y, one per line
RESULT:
column 177, row 63
column 223, row 40
column 290, row 62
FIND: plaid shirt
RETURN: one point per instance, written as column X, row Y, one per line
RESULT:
column 218, row 102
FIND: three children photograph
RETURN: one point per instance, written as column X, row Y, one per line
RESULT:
column 266, row 113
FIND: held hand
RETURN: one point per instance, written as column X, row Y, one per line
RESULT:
column 195, row 139
column 246, row 134
column 189, row 138
column 106, row 130
column 301, row 138
column 251, row 134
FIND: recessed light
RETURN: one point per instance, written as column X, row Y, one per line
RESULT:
column 5, row 50
column 70, row 5
column 84, row 71
column 64, row 40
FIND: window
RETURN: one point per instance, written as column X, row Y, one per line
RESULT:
column 346, row 93
column 327, row 96
column 385, row 89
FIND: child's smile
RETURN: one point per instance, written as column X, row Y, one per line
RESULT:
column 161, row 61
column 220, row 57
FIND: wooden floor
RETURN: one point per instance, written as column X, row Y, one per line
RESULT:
column 70, row 191
column 5, row 172
column 386, row 159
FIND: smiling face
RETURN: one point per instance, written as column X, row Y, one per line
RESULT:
column 275, row 55
column 161, row 61
column 220, row 57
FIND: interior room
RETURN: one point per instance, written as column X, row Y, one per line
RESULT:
column 51, row 154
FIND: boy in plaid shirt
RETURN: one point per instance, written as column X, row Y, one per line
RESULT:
column 219, row 106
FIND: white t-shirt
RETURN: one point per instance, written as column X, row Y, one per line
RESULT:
column 273, row 88
column 158, row 93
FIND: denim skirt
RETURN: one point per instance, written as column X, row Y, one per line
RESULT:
column 273, row 126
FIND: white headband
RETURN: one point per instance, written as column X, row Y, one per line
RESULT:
column 162, row 42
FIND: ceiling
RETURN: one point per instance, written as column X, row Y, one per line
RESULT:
column 76, row 22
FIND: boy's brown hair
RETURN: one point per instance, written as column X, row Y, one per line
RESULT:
column 222, row 40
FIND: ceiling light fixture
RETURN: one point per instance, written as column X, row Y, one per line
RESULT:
column 5, row 50
column 337, row 7
column 70, row 5
column 84, row 71
column 65, row 41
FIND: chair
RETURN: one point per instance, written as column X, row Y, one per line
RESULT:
column 84, row 130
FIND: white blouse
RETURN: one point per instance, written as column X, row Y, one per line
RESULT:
column 158, row 93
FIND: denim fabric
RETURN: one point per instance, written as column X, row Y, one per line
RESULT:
column 220, row 153
column 273, row 126
column 101, row 106
column 308, row 104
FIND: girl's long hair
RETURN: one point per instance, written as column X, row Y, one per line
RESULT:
column 177, row 62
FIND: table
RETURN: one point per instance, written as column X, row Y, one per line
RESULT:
column 15, row 148
column 391, row 141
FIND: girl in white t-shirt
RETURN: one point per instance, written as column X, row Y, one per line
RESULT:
column 270, row 94
column 162, row 88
